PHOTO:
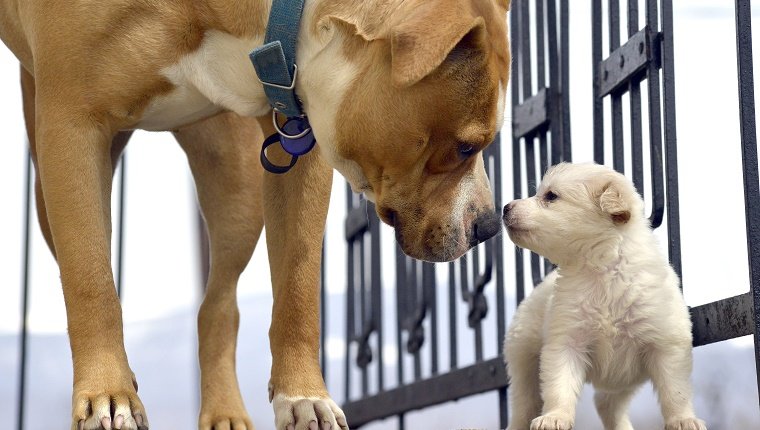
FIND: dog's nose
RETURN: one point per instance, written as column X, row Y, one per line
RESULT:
column 485, row 227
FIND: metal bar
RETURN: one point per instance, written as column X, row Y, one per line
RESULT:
column 671, row 152
column 478, row 326
column 564, row 89
column 637, row 139
column 363, row 311
column 377, row 293
column 596, row 59
column 722, row 320
column 453, row 362
column 400, row 311
column 749, row 160
column 555, row 108
column 533, row 114
column 516, row 157
column 23, row 341
column 533, row 178
column 428, row 285
column 413, row 285
column 120, row 231
column 478, row 378
column 618, row 147
column 655, row 119
column 323, row 312
column 400, row 297
column 494, row 157
column 525, row 57
column 626, row 63
column 350, row 301
column 541, row 45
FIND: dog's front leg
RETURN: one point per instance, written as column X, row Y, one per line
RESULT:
column 223, row 152
column 74, row 161
column 670, row 368
column 295, row 209
column 563, row 372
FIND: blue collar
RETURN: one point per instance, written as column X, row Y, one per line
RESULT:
column 276, row 68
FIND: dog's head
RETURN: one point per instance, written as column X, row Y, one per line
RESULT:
column 403, row 98
column 576, row 208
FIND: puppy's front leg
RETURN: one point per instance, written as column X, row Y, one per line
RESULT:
column 670, row 369
column 563, row 372
column 295, row 209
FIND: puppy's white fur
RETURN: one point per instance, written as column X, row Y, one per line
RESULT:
column 611, row 314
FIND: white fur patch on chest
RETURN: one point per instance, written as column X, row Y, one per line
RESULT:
column 217, row 76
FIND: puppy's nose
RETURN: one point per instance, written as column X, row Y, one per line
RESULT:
column 485, row 227
column 507, row 208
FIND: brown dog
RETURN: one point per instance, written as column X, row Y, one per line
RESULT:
column 402, row 97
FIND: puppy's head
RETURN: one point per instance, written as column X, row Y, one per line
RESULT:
column 576, row 208
column 409, row 97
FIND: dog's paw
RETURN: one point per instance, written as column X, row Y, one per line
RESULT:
column 223, row 409
column 226, row 414
column 108, row 410
column 307, row 413
column 228, row 422
column 552, row 422
column 685, row 424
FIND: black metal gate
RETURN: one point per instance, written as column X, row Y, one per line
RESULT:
column 540, row 138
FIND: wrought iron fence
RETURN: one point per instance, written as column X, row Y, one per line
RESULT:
column 429, row 365
column 540, row 138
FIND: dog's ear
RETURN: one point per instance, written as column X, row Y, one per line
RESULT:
column 615, row 204
column 351, row 24
column 427, row 35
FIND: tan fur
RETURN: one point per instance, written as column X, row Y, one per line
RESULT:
column 420, row 80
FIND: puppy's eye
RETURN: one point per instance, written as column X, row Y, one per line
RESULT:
column 550, row 196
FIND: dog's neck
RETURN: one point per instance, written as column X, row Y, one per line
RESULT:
column 609, row 254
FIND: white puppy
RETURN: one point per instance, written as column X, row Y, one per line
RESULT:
column 611, row 314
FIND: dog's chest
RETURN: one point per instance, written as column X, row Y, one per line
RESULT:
column 616, row 325
column 218, row 76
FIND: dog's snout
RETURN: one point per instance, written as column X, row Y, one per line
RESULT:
column 485, row 227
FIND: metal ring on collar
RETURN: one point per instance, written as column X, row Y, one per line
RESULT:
column 283, row 87
column 268, row 165
column 282, row 133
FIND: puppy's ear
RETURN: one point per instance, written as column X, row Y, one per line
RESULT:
column 614, row 203
column 421, row 42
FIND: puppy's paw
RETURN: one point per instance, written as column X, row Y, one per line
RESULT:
column 312, row 413
column 690, row 423
column 552, row 421
column 118, row 409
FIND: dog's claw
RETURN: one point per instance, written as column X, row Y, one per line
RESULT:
column 118, row 422
column 105, row 422
column 309, row 413
column 80, row 426
column 140, row 422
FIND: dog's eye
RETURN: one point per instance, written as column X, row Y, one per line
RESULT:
column 466, row 149
column 550, row 196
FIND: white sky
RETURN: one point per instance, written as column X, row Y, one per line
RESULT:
column 161, row 258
